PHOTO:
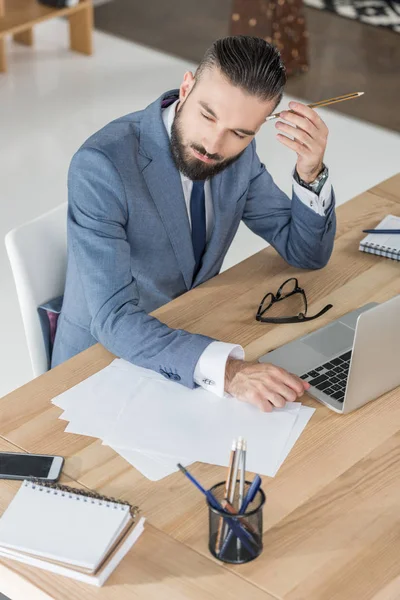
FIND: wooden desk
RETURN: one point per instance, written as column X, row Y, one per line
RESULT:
column 332, row 518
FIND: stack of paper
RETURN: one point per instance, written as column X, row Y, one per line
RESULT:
column 154, row 423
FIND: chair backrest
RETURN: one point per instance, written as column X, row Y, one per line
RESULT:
column 38, row 257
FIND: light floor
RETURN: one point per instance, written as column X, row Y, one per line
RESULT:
column 52, row 100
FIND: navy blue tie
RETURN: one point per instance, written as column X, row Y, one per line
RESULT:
column 198, row 219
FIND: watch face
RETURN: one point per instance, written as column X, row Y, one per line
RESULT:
column 321, row 175
column 320, row 180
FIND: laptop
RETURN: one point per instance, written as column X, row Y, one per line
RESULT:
column 351, row 361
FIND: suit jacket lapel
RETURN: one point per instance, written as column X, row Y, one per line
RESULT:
column 165, row 186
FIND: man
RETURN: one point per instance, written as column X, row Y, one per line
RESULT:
column 155, row 200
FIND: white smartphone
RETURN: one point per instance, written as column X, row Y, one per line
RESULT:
column 16, row 465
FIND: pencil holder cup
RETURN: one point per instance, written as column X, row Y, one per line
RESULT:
column 236, row 539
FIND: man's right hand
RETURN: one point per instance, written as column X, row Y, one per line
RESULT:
column 262, row 384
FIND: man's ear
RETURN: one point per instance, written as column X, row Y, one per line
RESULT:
column 186, row 86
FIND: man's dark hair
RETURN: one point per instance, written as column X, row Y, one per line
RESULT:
column 247, row 62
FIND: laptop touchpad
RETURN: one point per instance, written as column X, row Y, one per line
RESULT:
column 331, row 340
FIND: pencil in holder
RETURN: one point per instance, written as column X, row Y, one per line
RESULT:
column 235, row 538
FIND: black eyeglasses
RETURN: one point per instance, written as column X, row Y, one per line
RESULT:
column 287, row 289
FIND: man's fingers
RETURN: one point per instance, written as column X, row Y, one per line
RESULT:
column 276, row 399
column 296, row 146
column 301, row 122
column 292, row 381
column 276, row 392
column 296, row 133
column 307, row 112
column 257, row 396
column 265, row 405
column 285, row 392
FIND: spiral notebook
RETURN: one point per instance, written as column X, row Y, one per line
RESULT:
column 383, row 244
column 71, row 532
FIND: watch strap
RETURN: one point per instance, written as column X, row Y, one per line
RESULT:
column 318, row 183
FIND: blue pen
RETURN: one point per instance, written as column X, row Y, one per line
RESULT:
column 251, row 494
column 236, row 528
column 214, row 503
column 385, row 231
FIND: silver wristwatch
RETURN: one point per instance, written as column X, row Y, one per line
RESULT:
column 318, row 183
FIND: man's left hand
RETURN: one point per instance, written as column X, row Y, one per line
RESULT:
column 310, row 137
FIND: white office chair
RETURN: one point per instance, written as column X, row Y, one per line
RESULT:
column 38, row 257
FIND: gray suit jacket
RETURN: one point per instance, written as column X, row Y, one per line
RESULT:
column 129, row 241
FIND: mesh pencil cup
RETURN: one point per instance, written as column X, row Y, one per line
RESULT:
column 236, row 539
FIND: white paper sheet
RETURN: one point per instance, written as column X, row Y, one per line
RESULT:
column 153, row 423
column 305, row 414
column 92, row 406
column 101, row 378
column 196, row 424
column 152, row 468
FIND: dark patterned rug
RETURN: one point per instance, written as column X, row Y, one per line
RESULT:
column 381, row 13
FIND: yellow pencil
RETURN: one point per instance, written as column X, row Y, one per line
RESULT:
column 322, row 103
column 227, row 489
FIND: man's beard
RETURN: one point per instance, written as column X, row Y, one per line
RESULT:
column 187, row 163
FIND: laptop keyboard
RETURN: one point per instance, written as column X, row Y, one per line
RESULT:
column 331, row 378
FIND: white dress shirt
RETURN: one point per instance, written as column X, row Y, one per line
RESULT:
column 210, row 368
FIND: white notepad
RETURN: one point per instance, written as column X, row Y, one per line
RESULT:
column 384, row 244
column 65, row 528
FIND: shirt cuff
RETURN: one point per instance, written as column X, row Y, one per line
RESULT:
column 318, row 203
column 209, row 372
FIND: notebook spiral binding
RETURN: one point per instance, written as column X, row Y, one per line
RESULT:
column 66, row 489
column 380, row 250
column 380, row 247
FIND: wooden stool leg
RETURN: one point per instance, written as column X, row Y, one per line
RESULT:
column 2, row 8
column 80, row 30
column 25, row 37
column 3, row 60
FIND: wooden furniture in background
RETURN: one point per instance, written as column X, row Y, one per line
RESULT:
column 18, row 17
column 279, row 22
column 331, row 520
